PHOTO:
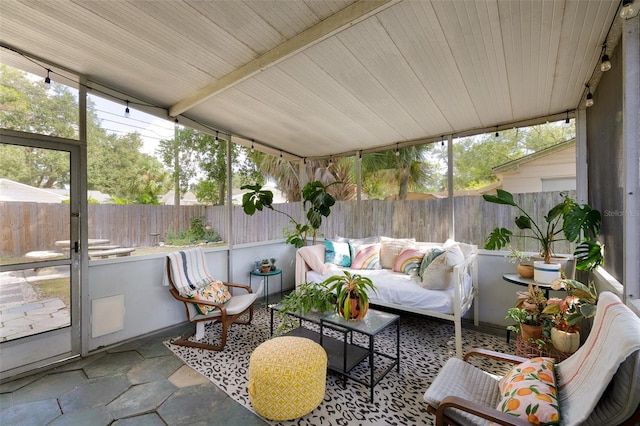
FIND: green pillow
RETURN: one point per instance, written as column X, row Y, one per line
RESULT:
column 429, row 257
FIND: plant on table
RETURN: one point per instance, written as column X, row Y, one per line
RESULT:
column 351, row 292
column 527, row 310
column 523, row 262
column 316, row 202
column 305, row 298
column 265, row 266
column 567, row 220
column 580, row 302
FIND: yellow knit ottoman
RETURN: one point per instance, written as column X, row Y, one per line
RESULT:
column 287, row 377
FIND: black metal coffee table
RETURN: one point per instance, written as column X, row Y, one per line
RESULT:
column 343, row 354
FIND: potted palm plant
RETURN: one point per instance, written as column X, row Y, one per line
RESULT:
column 567, row 220
column 351, row 292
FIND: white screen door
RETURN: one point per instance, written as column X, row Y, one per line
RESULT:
column 39, row 252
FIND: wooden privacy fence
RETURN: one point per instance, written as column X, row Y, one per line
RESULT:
column 36, row 226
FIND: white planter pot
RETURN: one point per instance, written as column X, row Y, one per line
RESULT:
column 565, row 342
column 545, row 273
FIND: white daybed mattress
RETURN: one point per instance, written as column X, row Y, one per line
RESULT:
column 401, row 289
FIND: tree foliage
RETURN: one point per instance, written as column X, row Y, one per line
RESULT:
column 115, row 164
column 202, row 164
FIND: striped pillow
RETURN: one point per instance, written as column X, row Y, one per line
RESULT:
column 408, row 261
column 365, row 256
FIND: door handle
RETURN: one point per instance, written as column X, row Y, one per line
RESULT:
column 76, row 247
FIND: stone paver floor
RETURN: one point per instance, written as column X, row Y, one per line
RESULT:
column 21, row 312
column 137, row 383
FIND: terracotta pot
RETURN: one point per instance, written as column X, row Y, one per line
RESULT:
column 565, row 342
column 525, row 271
column 265, row 268
column 358, row 310
column 530, row 331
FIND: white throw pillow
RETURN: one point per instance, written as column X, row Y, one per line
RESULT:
column 437, row 276
column 439, row 273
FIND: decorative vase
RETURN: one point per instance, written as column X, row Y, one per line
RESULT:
column 545, row 273
column 265, row 268
column 530, row 331
column 525, row 271
column 564, row 341
column 358, row 310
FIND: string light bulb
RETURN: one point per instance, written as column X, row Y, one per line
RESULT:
column 497, row 135
column 252, row 148
column 216, row 139
column 566, row 121
column 589, row 101
column 629, row 9
column 397, row 151
column 442, row 141
column 127, row 113
column 605, row 63
column 47, row 80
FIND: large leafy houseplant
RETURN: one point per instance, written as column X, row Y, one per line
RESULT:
column 351, row 294
column 316, row 202
column 567, row 220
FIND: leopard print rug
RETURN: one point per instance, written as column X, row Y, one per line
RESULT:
column 425, row 345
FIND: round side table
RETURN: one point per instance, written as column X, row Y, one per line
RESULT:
column 266, row 276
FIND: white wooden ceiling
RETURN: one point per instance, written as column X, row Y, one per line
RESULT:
column 316, row 78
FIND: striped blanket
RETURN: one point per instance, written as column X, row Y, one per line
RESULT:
column 189, row 270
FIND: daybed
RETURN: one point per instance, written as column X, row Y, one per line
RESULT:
column 432, row 279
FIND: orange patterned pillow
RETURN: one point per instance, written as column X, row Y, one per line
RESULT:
column 215, row 292
column 529, row 391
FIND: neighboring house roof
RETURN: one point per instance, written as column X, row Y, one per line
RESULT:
column 550, row 169
column 514, row 165
column 15, row 191
column 187, row 199
column 489, row 189
column 20, row 192
column 92, row 194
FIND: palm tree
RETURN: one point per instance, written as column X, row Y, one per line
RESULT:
column 404, row 168
column 285, row 173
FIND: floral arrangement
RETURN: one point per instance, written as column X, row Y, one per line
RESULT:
column 580, row 302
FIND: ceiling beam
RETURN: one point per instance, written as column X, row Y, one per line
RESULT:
column 347, row 17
